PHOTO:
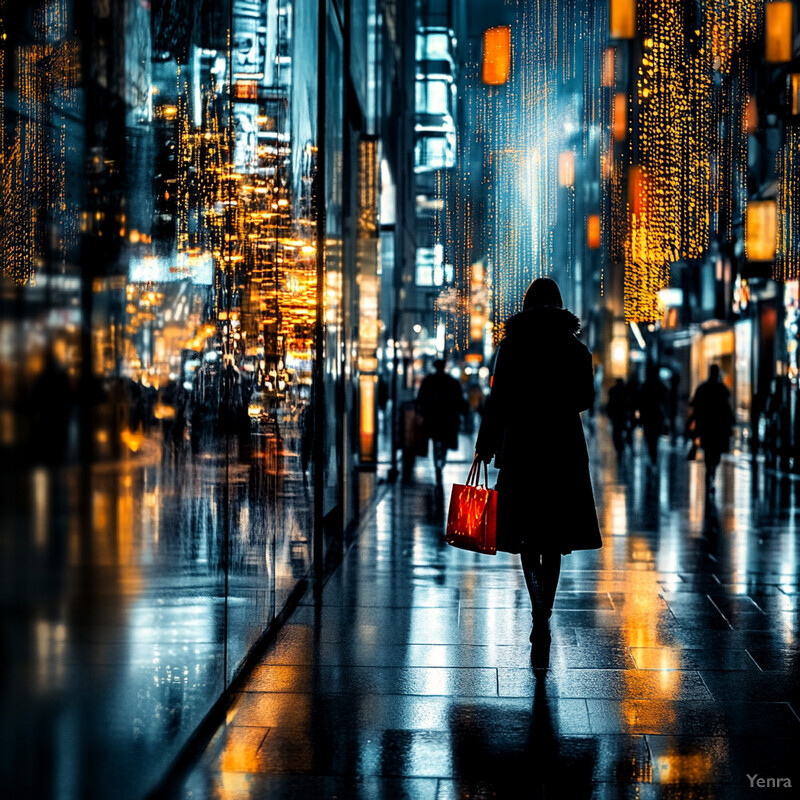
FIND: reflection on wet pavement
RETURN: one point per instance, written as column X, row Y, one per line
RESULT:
column 139, row 599
column 672, row 669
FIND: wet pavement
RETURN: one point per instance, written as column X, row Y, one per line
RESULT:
column 672, row 671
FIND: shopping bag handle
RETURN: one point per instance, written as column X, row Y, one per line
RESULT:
column 474, row 475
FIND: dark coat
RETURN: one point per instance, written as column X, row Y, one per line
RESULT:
column 713, row 417
column 441, row 403
column 542, row 381
column 618, row 407
column 652, row 404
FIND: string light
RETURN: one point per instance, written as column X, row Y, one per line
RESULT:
column 34, row 158
column 787, row 263
column 690, row 101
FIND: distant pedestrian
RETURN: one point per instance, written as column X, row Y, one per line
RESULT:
column 475, row 400
column 778, row 423
column 674, row 395
column 713, row 422
column 441, row 403
column 532, row 427
column 652, row 407
column 633, row 402
column 618, row 412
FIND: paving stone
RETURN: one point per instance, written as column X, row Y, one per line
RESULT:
column 671, row 669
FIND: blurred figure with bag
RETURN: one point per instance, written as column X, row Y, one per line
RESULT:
column 531, row 426
column 711, row 421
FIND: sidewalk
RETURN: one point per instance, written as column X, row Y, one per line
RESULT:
column 672, row 672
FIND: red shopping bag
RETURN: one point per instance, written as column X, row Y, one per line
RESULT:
column 472, row 515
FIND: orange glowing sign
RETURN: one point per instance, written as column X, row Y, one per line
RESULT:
column 622, row 19
column 620, row 116
column 593, row 231
column 246, row 90
column 779, row 24
column 761, row 230
column 794, row 91
column 609, row 67
column 496, row 55
column 751, row 115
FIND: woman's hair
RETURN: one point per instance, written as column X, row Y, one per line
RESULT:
column 542, row 292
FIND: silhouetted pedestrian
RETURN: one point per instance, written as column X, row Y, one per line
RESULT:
column 475, row 401
column 618, row 411
column 531, row 425
column 441, row 403
column 713, row 422
column 778, row 423
column 674, row 395
column 633, row 403
column 652, row 407
column 382, row 393
column 49, row 408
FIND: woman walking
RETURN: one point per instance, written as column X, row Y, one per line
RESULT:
column 532, row 428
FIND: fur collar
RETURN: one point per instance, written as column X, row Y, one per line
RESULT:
column 540, row 320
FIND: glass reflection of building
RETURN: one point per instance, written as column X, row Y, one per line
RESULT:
column 192, row 332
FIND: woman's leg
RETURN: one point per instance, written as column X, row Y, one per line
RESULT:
column 541, row 577
column 551, row 568
column 541, row 571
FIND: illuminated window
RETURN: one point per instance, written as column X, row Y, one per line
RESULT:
column 433, row 152
column 434, row 46
column 433, row 97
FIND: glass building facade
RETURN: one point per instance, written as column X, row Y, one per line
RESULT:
column 190, row 347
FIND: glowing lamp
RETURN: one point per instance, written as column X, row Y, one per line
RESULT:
column 622, row 19
column 620, row 116
column 566, row 168
column 779, row 19
column 496, row 55
column 133, row 439
column 608, row 71
column 367, row 412
column 671, row 296
column 593, row 231
column 761, row 230
column 751, row 115
column 794, row 91
column 606, row 166
column 619, row 357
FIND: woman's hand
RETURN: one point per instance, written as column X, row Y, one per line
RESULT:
column 483, row 456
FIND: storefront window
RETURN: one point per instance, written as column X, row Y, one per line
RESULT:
column 157, row 347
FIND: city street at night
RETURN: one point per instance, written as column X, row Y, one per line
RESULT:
column 399, row 399
column 672, row 670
